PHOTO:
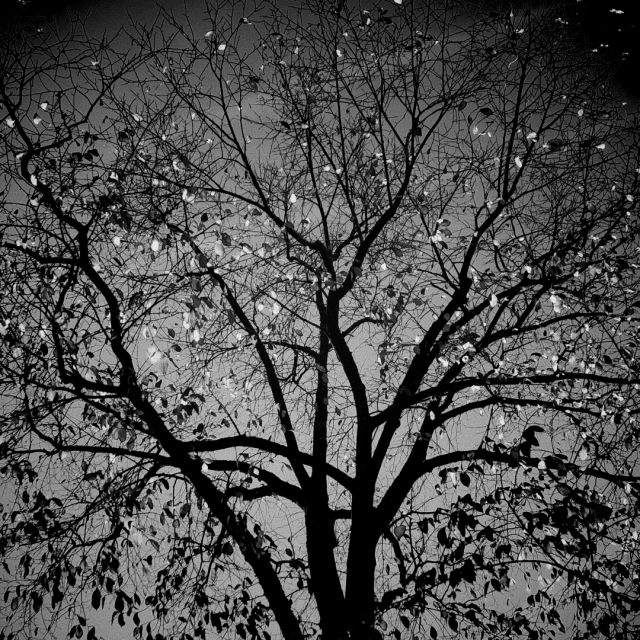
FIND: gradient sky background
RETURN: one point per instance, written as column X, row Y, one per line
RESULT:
column 615, row 23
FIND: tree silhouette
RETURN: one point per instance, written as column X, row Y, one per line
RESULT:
column 319, row 321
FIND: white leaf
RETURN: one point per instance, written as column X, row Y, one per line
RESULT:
column 137, row 117
column 10, row 122
column 584, row 454
column 37, row 120
column 292, row 198
column 398, row 1
column 518, row 162
column 188, row 196
column 155, row 245
column 155, row 355
column 34, row 180
column 494, row 300
column 137, row 538
column 44, row 106
column 532, row 136
column 218, row 248
column 222, row 47
column 580, row 112
column 276, row 308
column 195, row 336
column 117, row 241
column 208, row 34
column 601, row 146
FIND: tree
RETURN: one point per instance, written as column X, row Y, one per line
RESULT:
column 319, row 320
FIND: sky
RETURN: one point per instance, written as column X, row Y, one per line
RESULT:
column 614, row 23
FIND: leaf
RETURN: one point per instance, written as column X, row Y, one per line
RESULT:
column 494, row 300
column 518, row 162
column 465, row 479
column 462, row 105
column 222, row 47
column 293, row 198
column 399, row 530
column 485, row 111
column 96, row 598
column 37, row 601
column 218, row 249
column 155, row 245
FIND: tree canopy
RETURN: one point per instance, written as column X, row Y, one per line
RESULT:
column 319, row 321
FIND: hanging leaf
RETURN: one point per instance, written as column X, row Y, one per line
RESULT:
column 485, row 111
column 96, row 598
